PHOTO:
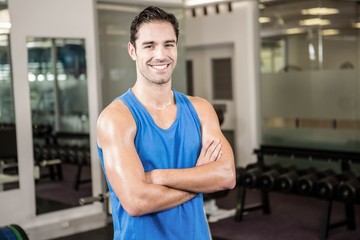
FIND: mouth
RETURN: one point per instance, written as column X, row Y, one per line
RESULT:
column 160, row 67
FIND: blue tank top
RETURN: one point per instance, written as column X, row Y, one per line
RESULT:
column 176, row 147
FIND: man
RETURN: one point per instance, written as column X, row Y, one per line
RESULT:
column 160, row 149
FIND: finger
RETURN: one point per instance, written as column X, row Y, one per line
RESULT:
column 207, row 147
column 219, row 156
column 214, row 155
column 212, row 148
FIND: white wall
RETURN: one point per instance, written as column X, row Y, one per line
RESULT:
column 43, row 18
column 240, row 28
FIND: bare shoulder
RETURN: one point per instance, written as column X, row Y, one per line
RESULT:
column 199, row 102
column 115, row 120
column 203, row 107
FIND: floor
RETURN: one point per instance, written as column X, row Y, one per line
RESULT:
column 292, row 217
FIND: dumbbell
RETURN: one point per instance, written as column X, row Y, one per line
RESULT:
column 83, row 156
column 63, row 153
column 285, row 183
column 349, row 191
column 268, row 178
column 251, row 175
column 72, row 156
column 327, row 187
column 305, row 184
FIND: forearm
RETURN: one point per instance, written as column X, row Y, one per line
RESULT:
column 150, row 198
column 207, row 178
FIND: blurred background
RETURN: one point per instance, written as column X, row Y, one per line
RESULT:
column 283, row 77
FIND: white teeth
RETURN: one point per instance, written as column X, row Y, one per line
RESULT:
column 159, row 67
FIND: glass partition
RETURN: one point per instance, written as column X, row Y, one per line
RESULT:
column 310, row 88
column 59, row 107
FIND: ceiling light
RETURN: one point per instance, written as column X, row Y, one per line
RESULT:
column 264, row 19
column 356, row 24
column 319, row 11
column 113, row 7
column 314, row 21
column 294, row 31
column 192, row 3
column 329, row 32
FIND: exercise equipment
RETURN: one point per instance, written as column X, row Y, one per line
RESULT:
column 285, row 182
column 268, row 178
column 306, row 184
column 327, row 187
column 13, row 232
column 102, row 197
column 349, row 191
column 325, row 184
column 251, row 175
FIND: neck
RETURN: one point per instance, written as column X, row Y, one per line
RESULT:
column 157, row 97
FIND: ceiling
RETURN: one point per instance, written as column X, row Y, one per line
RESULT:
column 287, row 17
column 283, row 17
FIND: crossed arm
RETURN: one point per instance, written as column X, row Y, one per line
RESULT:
column 211, row 175
column 141, row 193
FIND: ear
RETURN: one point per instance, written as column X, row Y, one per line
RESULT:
column 132, row 51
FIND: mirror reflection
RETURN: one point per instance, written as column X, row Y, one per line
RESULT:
column 9, row 178
column 59, row 108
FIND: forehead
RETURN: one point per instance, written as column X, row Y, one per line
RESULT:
column 156, row 31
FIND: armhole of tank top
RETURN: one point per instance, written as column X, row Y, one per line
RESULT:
column 127, row 104
column 192, row 109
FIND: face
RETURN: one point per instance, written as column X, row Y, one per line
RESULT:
column 155, row 53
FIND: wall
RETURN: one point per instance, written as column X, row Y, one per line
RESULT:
column 240, row 28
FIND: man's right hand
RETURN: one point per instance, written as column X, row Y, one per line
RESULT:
column 210, row 152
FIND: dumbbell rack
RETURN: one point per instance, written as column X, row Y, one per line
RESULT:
column 343, row 158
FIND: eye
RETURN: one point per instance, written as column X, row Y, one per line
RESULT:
column 148, row 46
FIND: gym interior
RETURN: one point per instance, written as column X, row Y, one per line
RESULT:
column 282, row 76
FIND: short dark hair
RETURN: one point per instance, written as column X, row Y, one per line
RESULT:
column 152, row 14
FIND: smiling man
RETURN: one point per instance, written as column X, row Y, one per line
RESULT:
column 160, row 149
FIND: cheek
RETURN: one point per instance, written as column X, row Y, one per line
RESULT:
column 144, row 57
column 174, row 55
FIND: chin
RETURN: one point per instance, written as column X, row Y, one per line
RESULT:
column 163, row 81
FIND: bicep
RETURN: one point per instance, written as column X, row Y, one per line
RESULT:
column 122, row 164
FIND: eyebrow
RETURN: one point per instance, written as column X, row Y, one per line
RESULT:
column 147, row 43
column 170, row 41
column 152, row 42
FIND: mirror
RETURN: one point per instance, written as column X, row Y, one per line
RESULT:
column 59, row 108
column 9, row 178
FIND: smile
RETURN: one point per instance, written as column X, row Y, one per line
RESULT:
column 160, row 67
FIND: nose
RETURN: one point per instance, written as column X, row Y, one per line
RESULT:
column 160, row 53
